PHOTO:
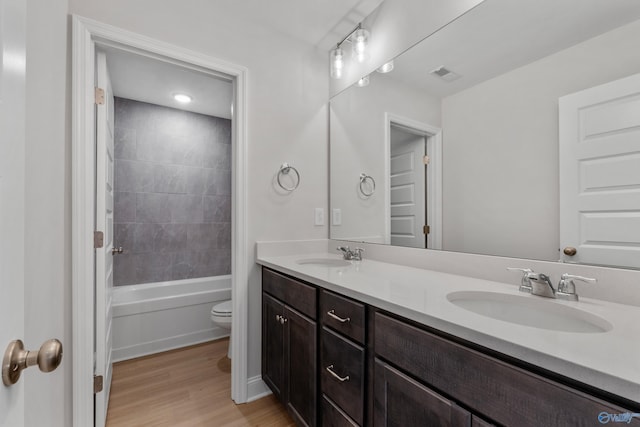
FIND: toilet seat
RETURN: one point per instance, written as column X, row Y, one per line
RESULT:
column 222, row 310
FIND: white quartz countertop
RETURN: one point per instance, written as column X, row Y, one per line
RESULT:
column 608, row 360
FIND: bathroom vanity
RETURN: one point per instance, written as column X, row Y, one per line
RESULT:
column 337, row 354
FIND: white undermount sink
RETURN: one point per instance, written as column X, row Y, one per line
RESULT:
column 533, row 311
column 324, row 262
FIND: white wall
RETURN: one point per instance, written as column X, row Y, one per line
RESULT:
column 47, row 206
column 357, row 134
column 500, row 149
column 395, row 25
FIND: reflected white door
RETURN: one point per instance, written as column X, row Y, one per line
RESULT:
column 408, row 188
column 104, row 223
column 600, row 174
column 12, row 188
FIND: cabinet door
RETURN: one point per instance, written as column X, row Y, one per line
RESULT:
column 273, row 345
column 400, row 401
column 301, row 366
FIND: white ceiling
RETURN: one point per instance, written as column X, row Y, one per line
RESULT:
column 500, row 35
column 146, row 79
column 151, row 80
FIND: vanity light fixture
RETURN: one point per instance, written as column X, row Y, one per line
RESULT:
column 359, row 39
column 364, row 81
column 385, row 68
column 182, row 98
column 337, row 62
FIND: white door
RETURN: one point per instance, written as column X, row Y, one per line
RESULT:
column 12, row 188
column 104, row 223
column 408, row 188
column 600, row 174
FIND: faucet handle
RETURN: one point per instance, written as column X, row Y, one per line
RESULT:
column 357, row 253
column 525, row 282
column 566, row 287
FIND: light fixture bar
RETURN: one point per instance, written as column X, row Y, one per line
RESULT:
column 349, row 35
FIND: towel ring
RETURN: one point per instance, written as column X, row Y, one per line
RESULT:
column 285, row 168
column 363, row 179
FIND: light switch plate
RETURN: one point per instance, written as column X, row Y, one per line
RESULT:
column 319, row 217
column 337, row 217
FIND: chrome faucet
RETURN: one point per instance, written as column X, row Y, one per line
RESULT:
column 566, row 287
column 525, row 283
column 351, row 255
column 541, row 285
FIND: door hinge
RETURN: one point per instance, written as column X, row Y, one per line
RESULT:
column 426, row 160
column 99, row 96
column 98, row 383
column 426, row 229
column 98, row 239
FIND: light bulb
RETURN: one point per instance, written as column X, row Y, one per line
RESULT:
column 337, row 62
column 385, row 68
column 364, row 81
column 182, row 98
column 359, row 43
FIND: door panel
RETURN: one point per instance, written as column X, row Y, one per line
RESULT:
column 273, row 345
column 600, row 174
column 407, row 189
column 104, row 222
column 12, row 199
column 401, row 401
column 300, row 363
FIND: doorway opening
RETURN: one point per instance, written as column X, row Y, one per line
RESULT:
column 164, row 177
column 413, row 183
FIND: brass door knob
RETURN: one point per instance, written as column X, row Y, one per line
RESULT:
column 16, row 359
column 570, row 251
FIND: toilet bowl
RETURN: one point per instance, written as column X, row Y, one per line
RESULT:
column 221, row 316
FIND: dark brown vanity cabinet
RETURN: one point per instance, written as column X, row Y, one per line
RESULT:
column 289, row 350
column 378, row 369
column 401, row 401
column 342, row 359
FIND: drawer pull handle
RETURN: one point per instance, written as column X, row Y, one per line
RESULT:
column 336, row 376
column 333, row 315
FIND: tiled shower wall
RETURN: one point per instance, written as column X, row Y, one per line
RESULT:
column 172, row 194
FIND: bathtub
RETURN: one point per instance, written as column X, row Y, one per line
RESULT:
column 157, row 317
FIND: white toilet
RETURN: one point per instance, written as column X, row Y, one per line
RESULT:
column 221, row 316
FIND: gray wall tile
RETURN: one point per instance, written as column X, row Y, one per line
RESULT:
column 173, row 194
column 217, row 209
column 132, row 176
column 125, row 143
column 186, row 208
column 152, row 208
column 217, row 182
column 124, row 209
column 169, row 179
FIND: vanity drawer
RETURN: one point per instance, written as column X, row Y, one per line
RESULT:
column 506, row 394
column 296, row 294
column 332, row 416
column 342, row 314
column 342, row 365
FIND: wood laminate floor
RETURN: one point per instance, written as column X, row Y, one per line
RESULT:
column 185, row 387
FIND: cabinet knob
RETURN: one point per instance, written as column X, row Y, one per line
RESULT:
column 570, row 251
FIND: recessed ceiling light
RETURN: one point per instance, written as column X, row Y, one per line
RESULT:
column 182, row 98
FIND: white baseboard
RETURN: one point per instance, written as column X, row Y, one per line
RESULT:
column 171, row 343
column 257, row 389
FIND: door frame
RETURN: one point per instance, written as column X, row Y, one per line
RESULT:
column 86, row 33
column 433, row 137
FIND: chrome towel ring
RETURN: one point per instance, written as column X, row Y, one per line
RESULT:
column 285, row 168
column 363, row 180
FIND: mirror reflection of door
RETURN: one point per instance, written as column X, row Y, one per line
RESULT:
column 408, row 189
